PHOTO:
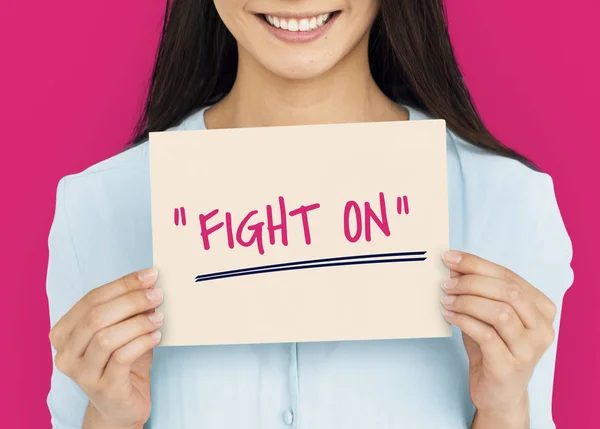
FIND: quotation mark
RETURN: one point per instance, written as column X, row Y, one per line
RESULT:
column 176, row 214
column 403, row 205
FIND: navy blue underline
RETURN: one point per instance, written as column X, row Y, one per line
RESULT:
column 316, row 263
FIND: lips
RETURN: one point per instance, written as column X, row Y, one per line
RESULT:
column 297, row 28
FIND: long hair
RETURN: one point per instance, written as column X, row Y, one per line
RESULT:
column 410, row 54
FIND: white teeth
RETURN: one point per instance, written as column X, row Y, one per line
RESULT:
column 292, row 25
column 303, row 24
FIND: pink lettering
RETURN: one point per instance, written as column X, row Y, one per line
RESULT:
column 229, row 228
column 303, row 211
column 256, row 233
column 352, row 206
column 271, row 227
column 204, row 232
column 381, row 223
column 237, row 233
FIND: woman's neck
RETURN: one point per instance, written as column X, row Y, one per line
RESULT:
column 346, row 93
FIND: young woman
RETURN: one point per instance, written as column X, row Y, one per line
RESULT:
column 249, row 63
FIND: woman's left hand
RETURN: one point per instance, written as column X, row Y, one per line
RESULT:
column 506, row 325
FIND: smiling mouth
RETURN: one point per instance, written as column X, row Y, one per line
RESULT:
column 305, row 24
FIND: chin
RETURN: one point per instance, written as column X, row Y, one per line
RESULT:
column 299, row 69
column 299, row 72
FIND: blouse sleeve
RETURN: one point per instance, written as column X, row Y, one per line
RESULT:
column 66, row 401
column 548, row 268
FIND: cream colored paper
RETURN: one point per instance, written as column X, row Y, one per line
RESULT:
column 240, row 170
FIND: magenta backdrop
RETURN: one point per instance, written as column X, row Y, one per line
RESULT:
column 72, row 79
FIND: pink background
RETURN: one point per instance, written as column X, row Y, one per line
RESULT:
column 71, row 82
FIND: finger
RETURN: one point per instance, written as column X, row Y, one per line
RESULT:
column 110, row 313
column 110, row 339
column 499, row 290
column 66, row 364
column 467, row 263
column 63, row 329
column 119, row 365
column 493, row 349
column 494, row 313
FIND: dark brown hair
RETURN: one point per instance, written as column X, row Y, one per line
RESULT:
column 410, row 54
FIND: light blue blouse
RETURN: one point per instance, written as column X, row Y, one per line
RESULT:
column 499, row 210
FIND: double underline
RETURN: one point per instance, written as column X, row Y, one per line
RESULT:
column 381, row 258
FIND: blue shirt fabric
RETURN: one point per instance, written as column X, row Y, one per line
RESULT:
column 499, row 209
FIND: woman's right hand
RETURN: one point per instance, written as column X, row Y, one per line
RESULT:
column 104, row 343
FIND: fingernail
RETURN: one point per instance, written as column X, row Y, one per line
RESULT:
column 450, row 283
column 448, row 299
column 154, row 294
column 452, row 257
column 447, row 313
column 156, row 335
column 156, row 317
column 148, row 275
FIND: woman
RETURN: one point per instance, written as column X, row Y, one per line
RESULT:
column 248, row 63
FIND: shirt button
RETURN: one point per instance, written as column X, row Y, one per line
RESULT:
column 288, row 417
